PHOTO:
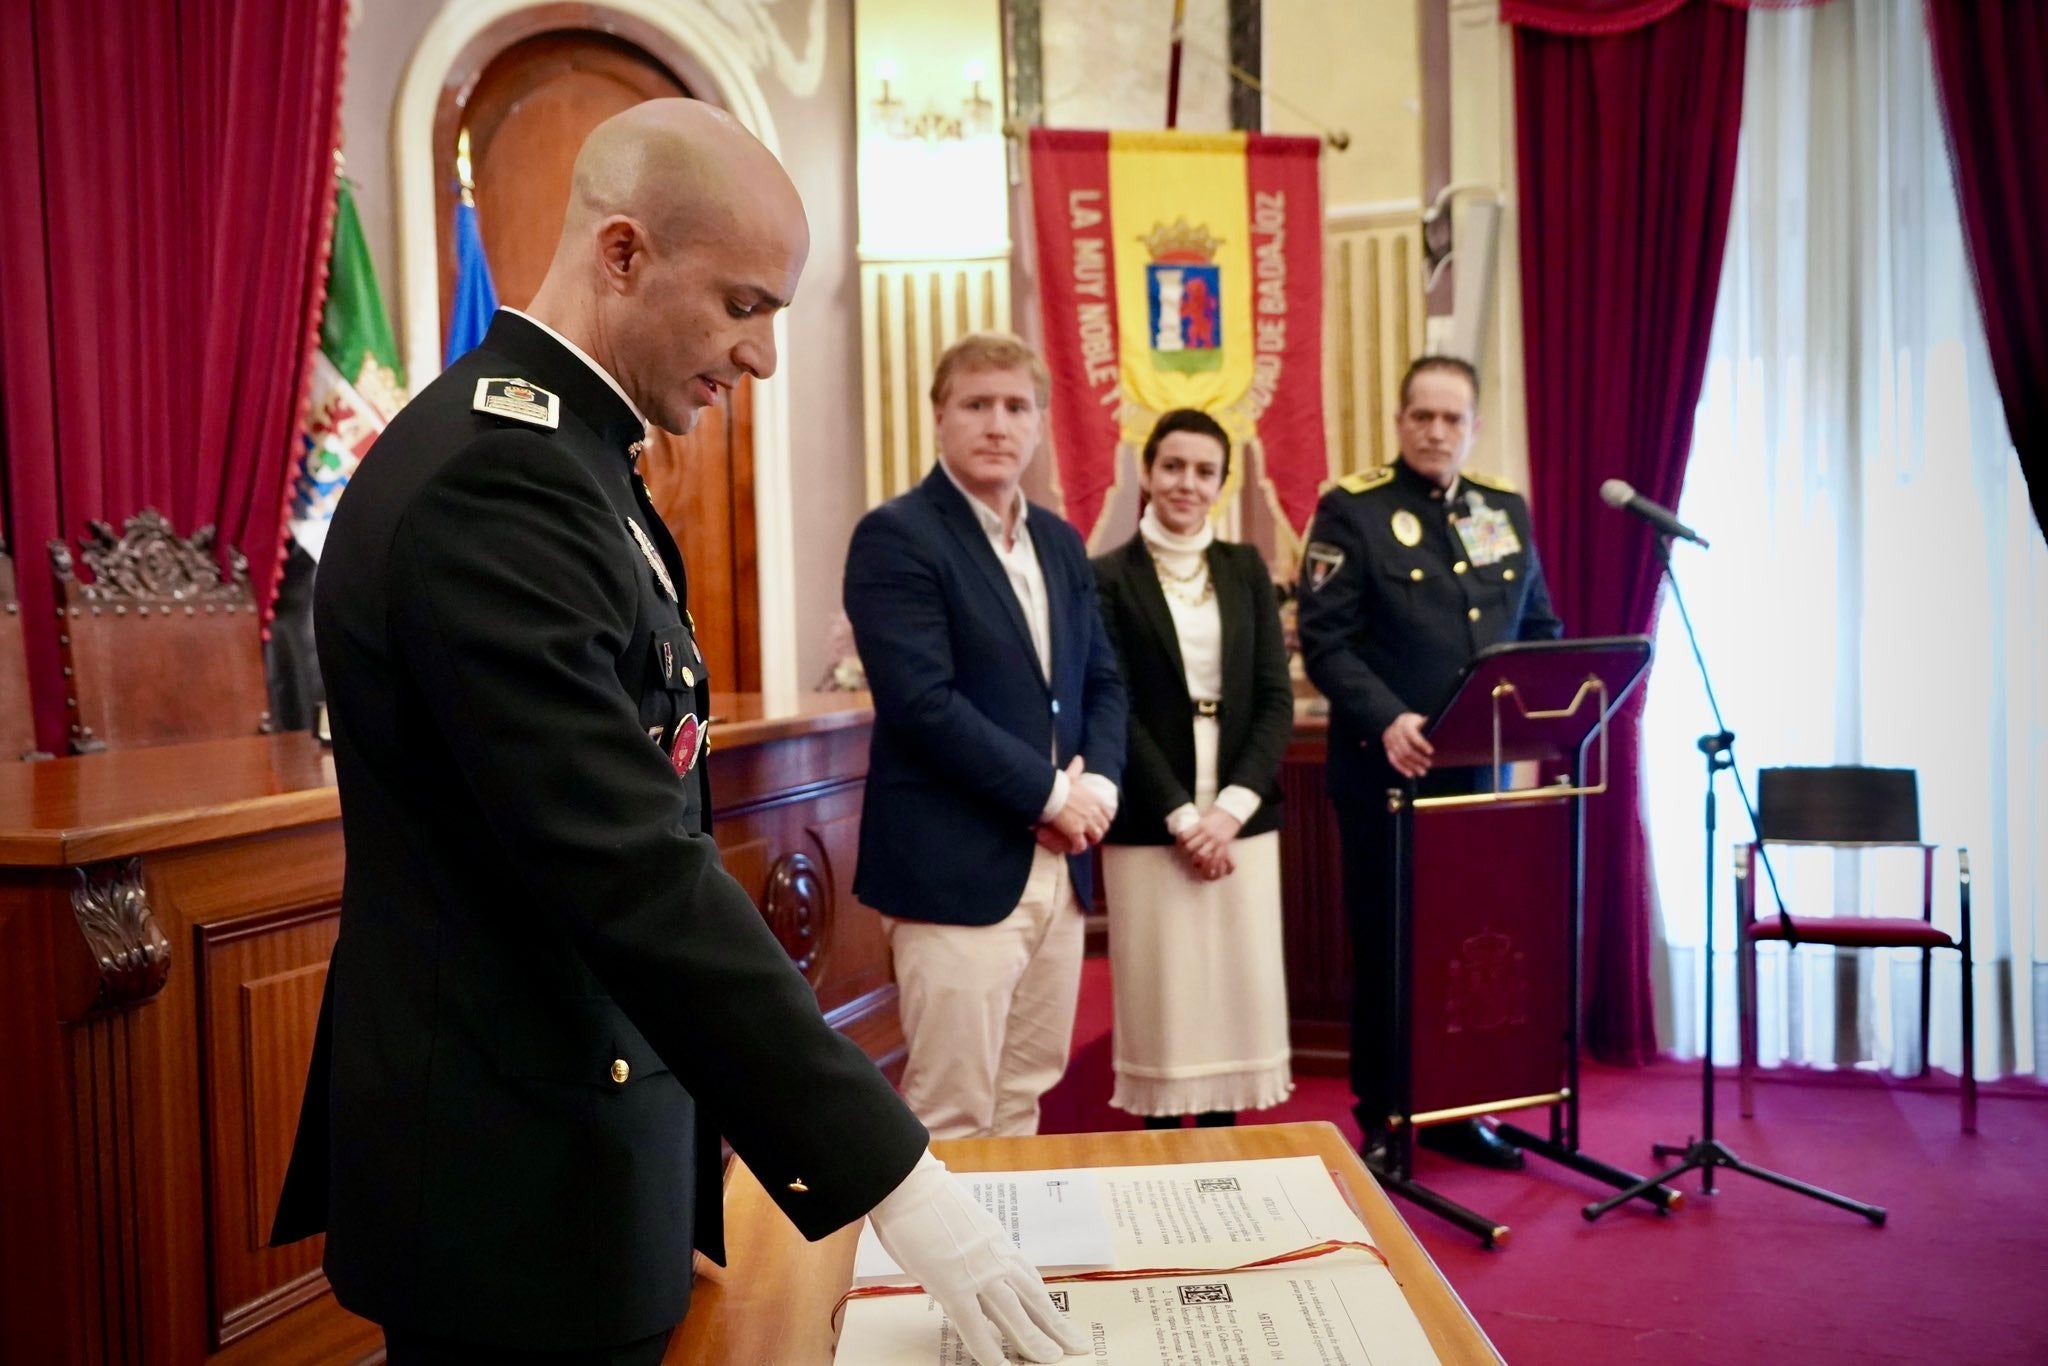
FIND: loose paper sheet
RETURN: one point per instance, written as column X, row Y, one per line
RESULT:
column 1056, row 1217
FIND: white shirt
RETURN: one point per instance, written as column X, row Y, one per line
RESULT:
column 580, row 354
column 1010, row 538
column 1199, row 628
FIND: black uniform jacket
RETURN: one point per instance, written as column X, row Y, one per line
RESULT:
column 967, row 725
column 1393, row 604
column 1256, row 715
column 548, row 998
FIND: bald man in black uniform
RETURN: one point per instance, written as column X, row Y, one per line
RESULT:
column 548, row 999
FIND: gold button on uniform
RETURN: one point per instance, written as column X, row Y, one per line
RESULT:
column 1460, row 567
column 689, row 678
column 620, row 1071
column 1415, row 574
column 1472, row 614
column 799, row 1187
column 1508, row 574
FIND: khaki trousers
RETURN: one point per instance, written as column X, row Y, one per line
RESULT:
column 988, row 1010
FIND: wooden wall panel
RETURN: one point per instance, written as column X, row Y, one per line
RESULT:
column 1318, row 944
column 793, row 849
column 260, row 1002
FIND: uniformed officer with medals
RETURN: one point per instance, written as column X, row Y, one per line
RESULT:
column 548, row 999
column 1410, row 570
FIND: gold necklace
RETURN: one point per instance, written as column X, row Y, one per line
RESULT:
column 1179, row 586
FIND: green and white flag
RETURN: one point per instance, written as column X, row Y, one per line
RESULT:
column 357, row 385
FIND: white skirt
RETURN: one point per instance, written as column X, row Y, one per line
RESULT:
column 1197, row 972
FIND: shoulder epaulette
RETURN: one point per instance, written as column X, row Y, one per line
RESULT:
column 518, row 400
column 1488, row 481
column 1366, row 479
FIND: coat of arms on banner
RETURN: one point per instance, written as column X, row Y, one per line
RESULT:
column 1181, row 270
column 1184, row 289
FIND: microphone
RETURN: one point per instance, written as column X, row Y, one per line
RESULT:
column 1617, row 493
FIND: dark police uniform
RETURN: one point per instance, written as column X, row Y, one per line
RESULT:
column 548, row 998
column 1401, row 584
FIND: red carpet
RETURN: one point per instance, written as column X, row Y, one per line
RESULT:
column 1958, row 1274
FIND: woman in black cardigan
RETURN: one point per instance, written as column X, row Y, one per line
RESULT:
column 1192, row 865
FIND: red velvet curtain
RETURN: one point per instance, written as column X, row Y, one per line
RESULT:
column 1627, row 163
column 1991, row 65
column 164, row 212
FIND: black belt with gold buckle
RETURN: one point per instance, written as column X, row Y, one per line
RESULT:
column 1207, row 706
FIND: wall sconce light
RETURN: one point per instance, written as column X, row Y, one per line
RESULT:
column 979, row 112
column 887, row 107
column 934, row 125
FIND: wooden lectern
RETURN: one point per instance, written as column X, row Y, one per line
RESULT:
column 773, row 1300
column 1490, row 891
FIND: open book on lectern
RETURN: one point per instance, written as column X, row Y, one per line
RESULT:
column 1535, row 699
column 1205, row 1264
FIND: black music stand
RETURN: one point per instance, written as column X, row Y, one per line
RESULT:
column 1489, row 891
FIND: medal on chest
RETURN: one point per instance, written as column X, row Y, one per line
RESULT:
column 691, row 737
column 653, row 558
column 1488, row 536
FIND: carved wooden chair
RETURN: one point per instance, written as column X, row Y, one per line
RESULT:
column 159, row 648
column 17, row 719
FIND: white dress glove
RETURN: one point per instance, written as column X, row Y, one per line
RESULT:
column 965, row 1261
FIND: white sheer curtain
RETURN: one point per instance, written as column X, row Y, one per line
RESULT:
column 1878, row 590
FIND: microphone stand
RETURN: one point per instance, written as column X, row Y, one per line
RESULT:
column 1704, row 1153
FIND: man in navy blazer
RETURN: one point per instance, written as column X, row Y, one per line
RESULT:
column 998, row 744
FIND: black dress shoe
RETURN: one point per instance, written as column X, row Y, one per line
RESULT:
column 1471, row 1141
column 1373, row 1148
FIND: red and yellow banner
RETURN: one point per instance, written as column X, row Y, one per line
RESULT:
column 1181, row 270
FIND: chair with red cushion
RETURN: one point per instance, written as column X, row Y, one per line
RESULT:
column 1860, row 809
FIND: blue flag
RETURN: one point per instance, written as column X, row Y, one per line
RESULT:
column 476, row 299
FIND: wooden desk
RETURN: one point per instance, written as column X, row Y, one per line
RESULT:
column 166, row 916
column 773, row 1301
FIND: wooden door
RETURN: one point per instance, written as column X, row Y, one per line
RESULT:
column 531, row 105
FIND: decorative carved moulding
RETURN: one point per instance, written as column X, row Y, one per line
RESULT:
column 149, row 565
column 128, row 949
column 798, row 908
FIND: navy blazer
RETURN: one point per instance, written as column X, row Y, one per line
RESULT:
column 967, row 726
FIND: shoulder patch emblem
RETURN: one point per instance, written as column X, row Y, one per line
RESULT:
column 1320, row 563
column 1366, row 479
column 1488, row 481
column 518, row 400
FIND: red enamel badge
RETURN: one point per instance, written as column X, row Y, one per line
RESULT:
column 684, row 754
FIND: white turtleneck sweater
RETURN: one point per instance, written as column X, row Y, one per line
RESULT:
column 1200, row 628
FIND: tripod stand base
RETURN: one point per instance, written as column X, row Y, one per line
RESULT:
column 1489, row 1233
column 1492, row 1234
column 1637, row 1187
column 1703, row 1155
